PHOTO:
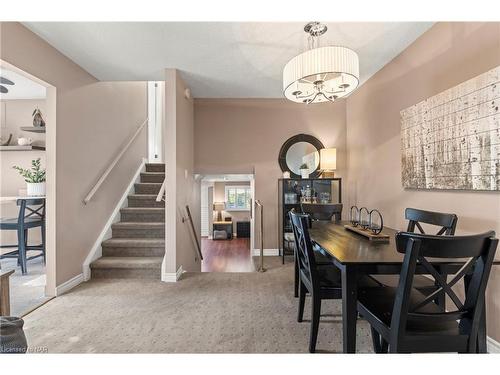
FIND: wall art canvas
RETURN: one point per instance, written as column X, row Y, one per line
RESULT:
column 452, row 140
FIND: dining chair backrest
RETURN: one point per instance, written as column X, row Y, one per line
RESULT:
column 416, row 217
column 476, row 252
column 304, row 249
column 322, row 211
column 31, row 208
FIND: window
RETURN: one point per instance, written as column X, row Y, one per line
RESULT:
column 238, row 198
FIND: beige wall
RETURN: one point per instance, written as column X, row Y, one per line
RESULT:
column 245, row 136
column 446, row 55
column 182, row 187
column 94, row 119
column 220, row 196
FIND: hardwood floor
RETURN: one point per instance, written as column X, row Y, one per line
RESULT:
column 226, row 255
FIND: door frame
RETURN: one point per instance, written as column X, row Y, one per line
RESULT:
column 51, row 180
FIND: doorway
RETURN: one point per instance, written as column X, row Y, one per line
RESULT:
column 27, row 131
column 227, row 222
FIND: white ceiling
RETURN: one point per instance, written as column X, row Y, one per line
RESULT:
column 217, row 59
column 23, row 88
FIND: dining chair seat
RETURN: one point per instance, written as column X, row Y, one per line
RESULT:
column 12, row 223
column 330, row 282
column 380, row 303
column 421, row 283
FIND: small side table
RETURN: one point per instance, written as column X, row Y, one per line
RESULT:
column 4, row 292
column 224, row 225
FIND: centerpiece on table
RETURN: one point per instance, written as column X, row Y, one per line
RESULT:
column 34, row 177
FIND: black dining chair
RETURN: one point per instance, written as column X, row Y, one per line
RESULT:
column 320, row 281
column 447, row 224
column 31, row 215
column 316, row 212
column 404, row 320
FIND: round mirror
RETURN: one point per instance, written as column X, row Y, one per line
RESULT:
column 300, row 149
column 295, row 157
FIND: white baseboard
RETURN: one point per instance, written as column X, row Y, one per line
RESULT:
column 172, row 277
column 96, row 250
column 267, row 252
column 493, row 346
column 70, row 284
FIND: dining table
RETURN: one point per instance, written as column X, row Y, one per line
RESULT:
column 355, row 256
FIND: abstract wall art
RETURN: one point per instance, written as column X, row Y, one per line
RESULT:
column 452, row 140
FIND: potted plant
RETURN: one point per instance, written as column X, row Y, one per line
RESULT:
column 34, row 177
column 304, row 170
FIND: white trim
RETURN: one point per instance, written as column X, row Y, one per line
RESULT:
column 172, row 277
column 70, row 284
column 267, row 252
column 493, row 346
column 96, row 250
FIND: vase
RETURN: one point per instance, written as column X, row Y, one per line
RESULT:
column 12, row 338
column 35, row 189
column 304, row 173
column 38, row 121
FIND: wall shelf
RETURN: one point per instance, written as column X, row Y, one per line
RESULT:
column 33, row 129
column 22, row 148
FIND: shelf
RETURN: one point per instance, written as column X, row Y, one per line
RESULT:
column 22, row 148
column 33, row 129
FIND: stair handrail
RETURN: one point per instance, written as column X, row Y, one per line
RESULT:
column 259, row 205
column 115, row 161
column 161, row 193
column 198, row 247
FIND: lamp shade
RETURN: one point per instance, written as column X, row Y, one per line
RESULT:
column 328, row 159
column 321, row 75
column 219, row 206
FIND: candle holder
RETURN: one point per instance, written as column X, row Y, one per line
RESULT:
column 376, row 222
column 364, row 217
column 354, row 216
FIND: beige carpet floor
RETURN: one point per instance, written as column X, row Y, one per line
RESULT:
column 202, row 313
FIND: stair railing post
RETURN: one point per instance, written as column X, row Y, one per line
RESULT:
column 261, row 234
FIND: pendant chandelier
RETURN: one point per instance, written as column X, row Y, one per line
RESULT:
column 321, row 74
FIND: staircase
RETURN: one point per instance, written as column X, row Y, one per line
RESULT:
column 137, row 245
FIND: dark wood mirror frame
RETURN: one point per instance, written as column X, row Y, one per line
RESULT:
column 291, row 141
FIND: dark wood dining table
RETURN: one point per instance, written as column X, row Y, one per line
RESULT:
column 355, row 256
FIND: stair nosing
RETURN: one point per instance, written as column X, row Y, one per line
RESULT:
column 133, row 242
column 126, row 263
column 131, row 224
column 143, row 208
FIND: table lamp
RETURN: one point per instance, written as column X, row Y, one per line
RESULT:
column 328, row 162
column 219, row 206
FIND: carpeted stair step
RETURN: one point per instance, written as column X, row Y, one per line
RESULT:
column 144, row 200
column 155, row 167
column 133, row 247
column 138, row 230
column 147, row 188
column 153, row 177
column 127, row 267
column 143, row 214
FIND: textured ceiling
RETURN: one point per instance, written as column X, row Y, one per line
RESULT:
column 217, row 59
